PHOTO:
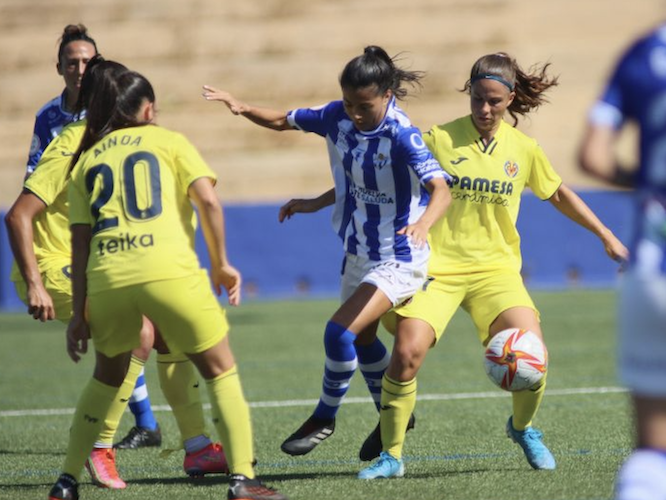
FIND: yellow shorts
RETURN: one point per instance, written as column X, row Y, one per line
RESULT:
column 483, row 295
column 184, row 310
column 58, row 284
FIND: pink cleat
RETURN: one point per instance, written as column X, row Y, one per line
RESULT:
column 101, row 465
column 209, row 460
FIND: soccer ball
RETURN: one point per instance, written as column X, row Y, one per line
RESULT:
column 516, row 359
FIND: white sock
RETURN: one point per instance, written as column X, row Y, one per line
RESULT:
column 643, row 476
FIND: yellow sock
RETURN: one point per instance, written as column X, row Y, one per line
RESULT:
column 180, row 385
column 91, row 410
column 526, row 404
column 231, row 416
column 397, row 405
column 119, row 404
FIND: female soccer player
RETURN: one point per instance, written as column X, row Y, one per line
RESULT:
column 38, row 228
column 636, row 93
column 380, row 166
column 475, row 261
column 133, row 257
column 75, row 50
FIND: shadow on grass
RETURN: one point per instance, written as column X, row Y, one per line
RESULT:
column 49, row 453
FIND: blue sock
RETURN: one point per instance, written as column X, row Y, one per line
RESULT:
column 373, row 360
column 139, row 405
column 340, row 366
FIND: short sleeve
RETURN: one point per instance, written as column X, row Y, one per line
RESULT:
column 543, row 180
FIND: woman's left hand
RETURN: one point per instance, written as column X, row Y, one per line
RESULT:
column 615, row 249
column 417, row 233
column 78, row 333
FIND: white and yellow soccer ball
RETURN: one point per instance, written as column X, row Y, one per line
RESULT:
column 516, row 359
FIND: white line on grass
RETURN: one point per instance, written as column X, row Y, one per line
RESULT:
column 310, row 402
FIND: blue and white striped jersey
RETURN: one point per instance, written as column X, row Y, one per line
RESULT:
column 50, row 120
column 378, row 175
column 637, row 92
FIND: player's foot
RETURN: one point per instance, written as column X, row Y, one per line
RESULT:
column 242, row 488
column 209, row 460
column 372, row 446
column 386, row 467
column 65, row 488
column 308, row 436
column 530, row 440
column 101, row 465
column 140, row 437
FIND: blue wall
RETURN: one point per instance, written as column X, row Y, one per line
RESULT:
column 302, row 257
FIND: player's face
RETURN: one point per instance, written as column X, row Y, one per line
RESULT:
column 365, row 106
column 489, row 100
column 73, row 63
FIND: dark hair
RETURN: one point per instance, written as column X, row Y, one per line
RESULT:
column 375, row 67
column 96, row 70
column 112, row 105
column 72, row 33
column 529, row 87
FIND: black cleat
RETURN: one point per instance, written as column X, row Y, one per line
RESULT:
column 372, row 446
column 65, row 488
column 308, row 436
column 140, row 437
column 243, row 488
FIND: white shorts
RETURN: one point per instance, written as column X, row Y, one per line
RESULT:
column 396, row 279
column 642, row 339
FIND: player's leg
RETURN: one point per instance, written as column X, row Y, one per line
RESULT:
column 362, row 309
column 180, row 385
column 191, row 320
column 498, row 301
column 373, row 359
column 642, row 350
column 146, row 432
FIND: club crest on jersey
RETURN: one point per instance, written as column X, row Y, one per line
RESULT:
column 511, row 168
column 380, row 160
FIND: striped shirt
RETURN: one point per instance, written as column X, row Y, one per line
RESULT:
column 379, row 178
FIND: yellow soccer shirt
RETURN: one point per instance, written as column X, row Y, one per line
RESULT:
column 478, row 231
column 51, row 236
column 131, row 188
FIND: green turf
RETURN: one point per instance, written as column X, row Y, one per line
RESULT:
column 457, row 451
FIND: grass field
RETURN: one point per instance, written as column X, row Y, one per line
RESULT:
column 458, row 450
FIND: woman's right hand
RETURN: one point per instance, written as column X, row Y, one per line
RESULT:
column 78, row 333
column 298, row 206
column 212, row 94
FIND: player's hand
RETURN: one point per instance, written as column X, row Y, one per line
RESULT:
column 297, row 206
column 78, row 333
column 229, row 278
column 417, row 233
column 615, row 249
column 213, row 94
column 40, row 303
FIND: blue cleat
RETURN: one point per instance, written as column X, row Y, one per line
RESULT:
column 384, row 468
column 530, row 440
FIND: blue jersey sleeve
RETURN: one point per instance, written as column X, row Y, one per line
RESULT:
column 413, row 151
column 40, row 139
column 316, row 120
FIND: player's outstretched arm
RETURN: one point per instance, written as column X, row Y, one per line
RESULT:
column 306, row 205
column 266, row 117
column 440, row 199
column 596, row 156
column 570, row 204
column 223, row 274
column 19, row 228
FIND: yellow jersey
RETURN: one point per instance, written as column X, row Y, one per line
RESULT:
column 478, row 231
column 51, row 236
column 131, row 188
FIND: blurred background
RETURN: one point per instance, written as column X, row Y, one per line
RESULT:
column 289, row 53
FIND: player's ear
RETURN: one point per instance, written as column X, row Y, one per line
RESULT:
column 59, row 68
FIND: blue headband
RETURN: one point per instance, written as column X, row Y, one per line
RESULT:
column 488, row 76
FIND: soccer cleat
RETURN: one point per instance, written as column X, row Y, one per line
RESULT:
column 372, row 446
column 308, row 436
column 101, row 465
column 65, row 488
column 140, row 437
column 386, row 467
column 208, row 460
column 530, row 440
column 242, row 488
